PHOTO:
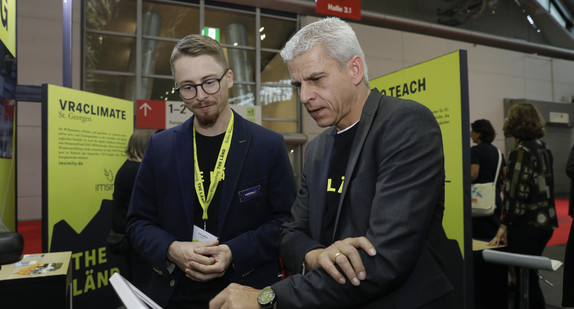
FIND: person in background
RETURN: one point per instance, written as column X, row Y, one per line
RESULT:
column 490, row 280
column 137, row 272
column 529, row 214
column 568, row 278
column 483, row 164
column 367, row 223
column 211, row 193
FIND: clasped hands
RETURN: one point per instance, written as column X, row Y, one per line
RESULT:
column 201, row 261
column 343, row 253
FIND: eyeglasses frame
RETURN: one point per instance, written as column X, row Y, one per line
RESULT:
column 201, row 84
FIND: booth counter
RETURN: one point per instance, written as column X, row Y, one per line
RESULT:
column 37, row 281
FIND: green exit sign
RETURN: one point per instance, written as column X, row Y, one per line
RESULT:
column 212, row 33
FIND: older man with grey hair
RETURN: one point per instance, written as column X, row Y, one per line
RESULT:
column 367, row 223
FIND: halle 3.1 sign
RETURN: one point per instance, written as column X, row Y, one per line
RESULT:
column 350, row 9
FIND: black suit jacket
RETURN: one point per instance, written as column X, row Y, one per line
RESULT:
column 161, row 209
column 393, row 194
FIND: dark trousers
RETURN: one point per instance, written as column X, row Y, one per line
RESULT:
column 490, row 283
column 527, row 239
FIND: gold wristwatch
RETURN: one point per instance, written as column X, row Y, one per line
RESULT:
column 266, row 298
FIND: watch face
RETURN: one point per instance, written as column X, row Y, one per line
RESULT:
column 266, row 296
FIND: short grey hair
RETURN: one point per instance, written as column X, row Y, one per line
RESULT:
column 335, row 36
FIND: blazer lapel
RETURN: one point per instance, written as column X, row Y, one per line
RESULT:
column 183, row 149
column 233, row 167
column 318, row 201
column 364, row 126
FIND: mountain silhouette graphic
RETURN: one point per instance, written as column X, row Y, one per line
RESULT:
column 92, row 261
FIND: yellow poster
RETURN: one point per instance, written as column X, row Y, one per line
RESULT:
column 7, row 195
column 85, row 140
column 441, row 84
column 7, row 167
column 8, row 25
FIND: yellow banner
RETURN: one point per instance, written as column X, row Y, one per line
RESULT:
column 439, row 85
column 87, row 135
column 7, row 168
column 8, row 25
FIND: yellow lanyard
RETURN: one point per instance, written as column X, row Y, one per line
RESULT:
column 218, row 173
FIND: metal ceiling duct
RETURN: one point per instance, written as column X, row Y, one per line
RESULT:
column 151, row 26
column 376, row 19
column 240, row 64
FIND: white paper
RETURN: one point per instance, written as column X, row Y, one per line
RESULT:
column 131, row 296
column 200, row 234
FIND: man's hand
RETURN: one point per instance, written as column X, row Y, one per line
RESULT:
column 201, row 261
column 236, row 296
column 199, row 271
column 182, row 252
column 344, row 253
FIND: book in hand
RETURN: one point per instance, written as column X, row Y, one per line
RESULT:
column 131, row 296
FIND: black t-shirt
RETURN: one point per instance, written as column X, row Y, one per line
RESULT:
column 485, row 155
column 335, row 180
column 207, row 153
column 193, row 294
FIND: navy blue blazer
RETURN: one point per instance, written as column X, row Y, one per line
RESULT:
column 161, row 209
column 393, row 195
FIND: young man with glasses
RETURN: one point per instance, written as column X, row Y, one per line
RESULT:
column 211, row 193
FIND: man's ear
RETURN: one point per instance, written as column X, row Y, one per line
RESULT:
column 357, row 69
column 229, row 77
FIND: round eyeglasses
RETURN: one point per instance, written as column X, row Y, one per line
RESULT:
column 209, row 86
